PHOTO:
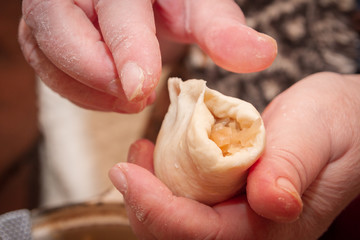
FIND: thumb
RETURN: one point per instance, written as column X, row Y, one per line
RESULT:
column 219, row 28
column 297, row 149
column 155, row 213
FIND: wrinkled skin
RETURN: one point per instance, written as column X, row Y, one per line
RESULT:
column 107, row 54
column 313, row 142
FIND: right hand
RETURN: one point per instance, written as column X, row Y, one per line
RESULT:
column 309, row 172
column 105, row 54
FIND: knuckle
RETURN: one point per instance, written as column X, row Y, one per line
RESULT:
column 27, row 44
column 119, row 39
column 35, row 9
column 294, row 166
column 141, row 214
column 30, row 6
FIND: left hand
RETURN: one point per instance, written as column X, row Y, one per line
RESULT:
column 313, row 139
column 107, row 55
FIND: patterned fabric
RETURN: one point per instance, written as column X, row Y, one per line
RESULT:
column 15, row 225
column 312, row 36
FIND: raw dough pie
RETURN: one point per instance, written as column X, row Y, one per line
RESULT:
column 207, row 142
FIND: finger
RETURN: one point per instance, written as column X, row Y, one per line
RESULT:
column 129, row 30
column 88, row 7
column 297, row 149
column 151, row 99
column 219, row 29
column 239, row 221
column 339, row 182
column 155, row 213
column 71, row 42
column 334, row 189
column 66, row 86
column 141, row 154
column 151, row 206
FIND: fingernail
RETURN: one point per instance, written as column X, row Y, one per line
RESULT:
column 286, row 185
column 292, row 208
column 132, row 80
column 114, row 86
column 118, row 177
column 263, row 38
column 133, row 151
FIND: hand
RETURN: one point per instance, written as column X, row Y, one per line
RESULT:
column 105, row 54
column 309, row 172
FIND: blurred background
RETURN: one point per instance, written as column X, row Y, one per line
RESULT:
column 19, row 131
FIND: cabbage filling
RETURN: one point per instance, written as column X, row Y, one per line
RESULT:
column 231, row 137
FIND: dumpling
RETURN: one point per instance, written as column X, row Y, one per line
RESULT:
column 207, row 142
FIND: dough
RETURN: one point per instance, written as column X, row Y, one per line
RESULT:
column 207, row 142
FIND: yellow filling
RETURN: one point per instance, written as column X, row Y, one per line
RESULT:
column 231, row 137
